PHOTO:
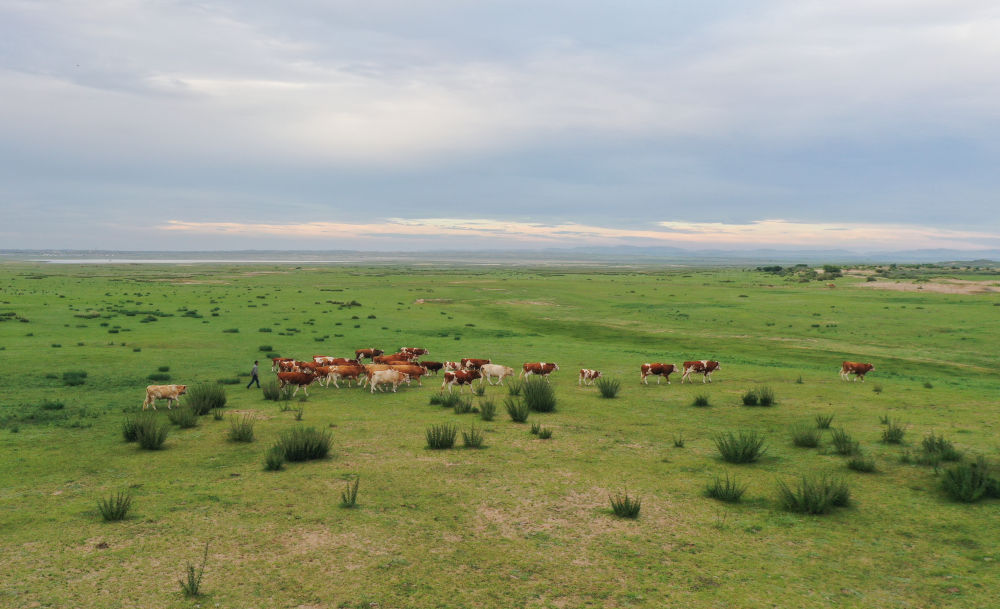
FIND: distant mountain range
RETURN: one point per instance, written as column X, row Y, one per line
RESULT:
column 622, row 254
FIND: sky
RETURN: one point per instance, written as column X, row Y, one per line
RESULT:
column 868, row 125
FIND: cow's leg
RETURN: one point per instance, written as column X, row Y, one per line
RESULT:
column 658, row 377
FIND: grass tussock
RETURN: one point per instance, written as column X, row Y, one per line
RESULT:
column 823, row 421
column 608, row 387
column 74, row 378
column 861, row 463
column 539, row 395
column 758, row 396
column 728, row 489
column 183, row 417
column 451, row 400
column 893, row 433
column 241, row 428
column 679, row 440
column 191, row 584
column 274, row 459
column 440, row 437
column 151, row 432
column 745, row 446
column 843, row 443
column 516, row 409
column 514, row 387
column 487, row 410
column 305, row 444
column 544, row 433
column 473, row 438
column 813, row 495
column 463, row 405
column 271, row 392
column 625, row 506
column 805, row 436
column 935, row 450
column 116, row 507
column 701, row 400
column 205, row 397
column 349, row 496
column 970, row 482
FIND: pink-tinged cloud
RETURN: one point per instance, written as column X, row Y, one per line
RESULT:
column 761, row 233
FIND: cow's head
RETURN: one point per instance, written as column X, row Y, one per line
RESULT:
column 182, row 389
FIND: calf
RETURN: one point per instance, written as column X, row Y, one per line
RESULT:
column 858, row 369
column 473, row 363
column 395, row 377
column 301, row 380
column 459, row 377
column 705, row 366
column 543, row 369
column 489, row 371
column 588, row 376
column 657, row 369
column 170, row 393
column 432, row 367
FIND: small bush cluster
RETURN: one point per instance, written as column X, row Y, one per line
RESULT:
column 861, row 463
column 805, row 436
column 742, row 447
column 270, row 391
column 241, row 429
column 183, row 417
column 759, row 396
column 150, row 432
column 970, row 482
column 516, row 409
column 893, row 433
column 473, row 438
column 463, row 406
column 74, row 378
column 539, row 395
column 159, row 377
column 487, row 410
column 274, row 460
column 937, row 449
column 116, row 507
column 205, row 397
column 728, row 490
column 813, row 495
column 624, row 506
column 349, row 496
column 843, row 443
column 608, row 387
column 823, row 421
column 441, row 436
column 514, row 387
column 305, row 444
column 701, row 400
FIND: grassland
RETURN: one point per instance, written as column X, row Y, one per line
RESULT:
column 522, row 522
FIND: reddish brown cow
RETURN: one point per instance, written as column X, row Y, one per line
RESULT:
column 543, row 369
column 459, row 377
column 276, row 362
column 328, row 360
column 432, row 367
column 858, row 369
column 705, row 366
column 360, row 354
column 352, row 372
column 307, row 366
column 658, row 369
column 414, row 350
column 473, row 363
column 588, row 376
column 287, row 366
column 388, row 359
column 452, row 366
column 414, row 371
column 299, row 379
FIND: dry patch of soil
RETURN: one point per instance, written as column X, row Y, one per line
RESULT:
column 948, row 286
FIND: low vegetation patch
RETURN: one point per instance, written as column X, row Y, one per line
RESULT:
column 151, row 432
column 487, row 410
column 823, row 421
column 745, row 446
column 539, row 395
column 205, row 397
column 893, row 433
column 936, row 449
column 813, row 495
column 861, row 463
column 305, row 444
column 516, row 409
column 274, row 459
column 608, row 387
column 805, row 436
column 183, row 417
column 191, row 584
column 514, row 387
column 970, row 482
column 625, row 506
column 758, row 396
column 441, row 436
column 349, row 496
column 463, row 405
column 74, row 378
column 544, row 433
column 270, row 391
column 473, row 438
column 241, row 428
column 728, row 489
column 159, row 377
column 116, row 507
column 843, row 443
column 701, row 400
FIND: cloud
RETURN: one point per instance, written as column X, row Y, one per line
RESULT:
column 763, row 233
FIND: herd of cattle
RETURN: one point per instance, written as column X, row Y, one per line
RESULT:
column 403, row 367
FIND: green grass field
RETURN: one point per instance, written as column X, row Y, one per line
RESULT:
column 524, row 521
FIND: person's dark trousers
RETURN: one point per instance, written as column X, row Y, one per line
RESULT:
column 254, row 380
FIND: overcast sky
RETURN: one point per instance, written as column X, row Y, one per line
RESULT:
column 861, row 124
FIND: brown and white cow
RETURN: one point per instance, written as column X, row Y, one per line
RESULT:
column 856, row 368
column 474, row 363
column 588, row 376
column 412, row 370
column 488, row 371
column 306, row 367
column 417, row 351
column 386, row 377
column 170, row 393
column 432, row 367
column 276, row 361
column 543, row 369
column 360, row 354
column 657, row 369
column 704, row 366
column 301, row 380
column 287, row 365
column 459, row 377
column 452, row 366
column 327, row 360
column 345, row 371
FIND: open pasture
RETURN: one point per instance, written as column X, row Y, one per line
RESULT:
column 523, row 521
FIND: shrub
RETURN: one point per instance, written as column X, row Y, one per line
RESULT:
column 928, row 385
column 535, row 428
column 728, row 490
column 266, row 348
column 843, row 443
column 766, row 395
column 750, row 397
column 877, row 389
column 204, row 397
column 270, row 391
column 813, row 495
column 218, row 414
column 115, row 507
column 265, row 330
column 744, row 447
column 480, row 390
column 700, row 400
column 151, row 432
column 823, row 421
column 970, row 482
column 935, row 449
column 539, row 395
column 51, row 405
column 183, row 417
column 514, row 387
column 130, row 429
column 463, row 406
column 450, row 400
column 679, row 440
column 861, row 463
column 74, row 378
column 624, row 506
column 893, row 433
column 231, row 331
column 164, row 368
column 517, row 409
column 473, row 438
column 544, row 433
column 241, row 429
column 487, row 410
column 441, row 436
column 436, row 399
column 305, row 444
column 232, row 381
column 274, row 460
column 349, row 496
column 191, row 584
column 805, row 436
column 609, row 388
column 159, row 377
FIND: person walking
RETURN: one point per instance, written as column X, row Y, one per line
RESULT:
column 253, row 376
